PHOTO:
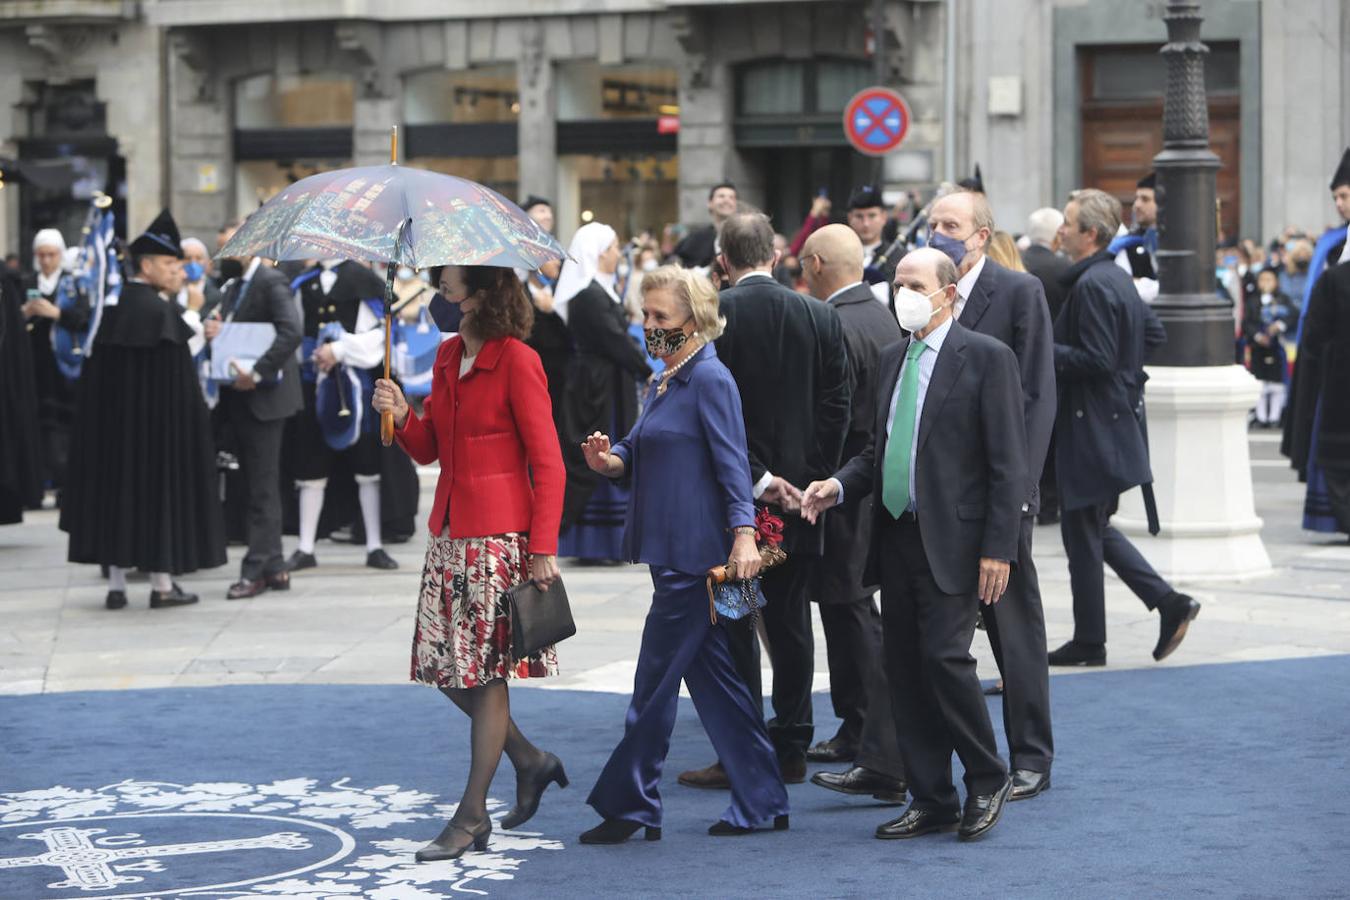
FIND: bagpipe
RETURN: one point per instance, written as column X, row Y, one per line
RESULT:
column 415, row 347
column 96, row 280
column 341, row 395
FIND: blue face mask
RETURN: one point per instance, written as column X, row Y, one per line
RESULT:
column 955, row 250
column 194, row 271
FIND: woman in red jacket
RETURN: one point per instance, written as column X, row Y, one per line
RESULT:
column 494, row 524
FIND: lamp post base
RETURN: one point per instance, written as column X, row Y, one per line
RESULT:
column 1197, row 429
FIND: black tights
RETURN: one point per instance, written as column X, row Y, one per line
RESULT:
column 492, row 730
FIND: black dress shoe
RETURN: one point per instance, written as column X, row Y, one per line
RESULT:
column 835, row 750
column 916, row 822
column 982, row 812
column 378, row 559
column 1027, row 784
column 864, row 781
column 449, row 844
column 1177, row 612
column 245, row 588
column 1076, row 654
column 301, row 560
column 175, row 596
column 535, row 783
column 616, row 831
column 281, row 581
column 115, row 599
column 723, row 828
column 713, row 776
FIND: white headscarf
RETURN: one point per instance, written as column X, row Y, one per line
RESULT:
column 50, row 237
column 578, row 272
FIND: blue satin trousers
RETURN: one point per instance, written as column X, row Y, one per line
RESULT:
column 679, row 641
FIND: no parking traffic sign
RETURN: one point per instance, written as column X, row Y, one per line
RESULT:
column 876, row 120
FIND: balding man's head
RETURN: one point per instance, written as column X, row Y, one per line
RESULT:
column 933, row 275
column 963, row 216
column 832, row 259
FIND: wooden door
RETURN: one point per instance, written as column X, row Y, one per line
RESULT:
column 1122, row 123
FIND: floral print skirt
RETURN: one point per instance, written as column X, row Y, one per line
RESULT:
column 462, row 638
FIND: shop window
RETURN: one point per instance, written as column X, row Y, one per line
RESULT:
column 501, row 173
column 588, row 91
column 301, row 101
column 437, row 96
column 817, row 87
column 631, row 194
column 1140, row 73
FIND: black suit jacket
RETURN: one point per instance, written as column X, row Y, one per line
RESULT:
column 789, row 360
column 970, row 471
column 269, row 299
column 868, row 328
column 1010, row 306
column 1102, row 338
column 1049, row 268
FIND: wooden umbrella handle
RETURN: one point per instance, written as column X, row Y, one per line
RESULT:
column 387, row 417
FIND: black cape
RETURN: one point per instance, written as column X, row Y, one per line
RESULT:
column 1322, row 377
column 142, row 487
column 20, row 454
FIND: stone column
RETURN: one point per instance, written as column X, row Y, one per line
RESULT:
column 201, row 157
column 129, row 82
column 538, row 122
column 1197, row 400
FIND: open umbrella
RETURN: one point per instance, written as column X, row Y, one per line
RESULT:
column 395, row 215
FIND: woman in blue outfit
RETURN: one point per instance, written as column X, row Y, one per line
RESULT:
column 689, row 509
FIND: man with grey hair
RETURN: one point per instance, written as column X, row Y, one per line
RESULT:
column 788, row 357
column 1043, row 260
column 1010, row 307
column 1102, row 339
column 937, row 554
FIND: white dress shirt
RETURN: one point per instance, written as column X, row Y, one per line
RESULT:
column 927, row 361
column 966, row 285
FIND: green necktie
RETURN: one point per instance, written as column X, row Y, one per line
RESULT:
column 895, row 468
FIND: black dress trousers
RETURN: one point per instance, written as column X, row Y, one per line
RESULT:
column 1089, row 541
column 259, row 445
column 791, row 646
column 935, row 691
column 1016, row 628
column 853, row 650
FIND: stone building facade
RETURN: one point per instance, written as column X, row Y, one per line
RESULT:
column 630, row 110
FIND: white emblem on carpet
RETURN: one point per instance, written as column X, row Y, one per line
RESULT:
column 288, row 838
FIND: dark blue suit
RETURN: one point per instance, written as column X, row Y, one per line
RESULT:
column 686, row 459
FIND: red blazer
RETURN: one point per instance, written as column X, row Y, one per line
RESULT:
column 490, row 431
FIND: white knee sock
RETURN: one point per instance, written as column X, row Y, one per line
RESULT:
column 311, row 505
column 117, row 579
column 160, row 581
column 368, row 488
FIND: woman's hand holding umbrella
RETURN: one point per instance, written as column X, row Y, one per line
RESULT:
column 389, row 399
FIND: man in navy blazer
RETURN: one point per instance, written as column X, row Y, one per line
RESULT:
column 1102, row 338
column 1010, row 306
column 944, row 539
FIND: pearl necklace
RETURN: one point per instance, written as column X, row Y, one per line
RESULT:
column 671, row 370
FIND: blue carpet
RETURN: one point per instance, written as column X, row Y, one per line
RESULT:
column 1224, row 781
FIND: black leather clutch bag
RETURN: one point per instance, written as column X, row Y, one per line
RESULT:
column 538, row 618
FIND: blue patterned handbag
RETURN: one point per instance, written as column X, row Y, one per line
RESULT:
column 735, row 598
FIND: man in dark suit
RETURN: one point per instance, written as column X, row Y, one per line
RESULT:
column 947, row 464
column 697, row 249
column 257, row 406
column 788, row 357
column 1102, row 338
column 831, row 262
column 1049, row 266
column 1010, row 307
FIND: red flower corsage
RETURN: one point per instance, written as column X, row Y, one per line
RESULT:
column 768, row 528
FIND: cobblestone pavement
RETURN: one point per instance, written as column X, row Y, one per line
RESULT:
column 344, row 623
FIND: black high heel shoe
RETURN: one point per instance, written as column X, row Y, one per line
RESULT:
column 616, row 831
column 723, row 828
column 550, row 772
column 442, row 848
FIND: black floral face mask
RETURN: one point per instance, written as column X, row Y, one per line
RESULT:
column 663, row 342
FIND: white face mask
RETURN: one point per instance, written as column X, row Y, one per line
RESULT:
column 649, row 265
column 912, row 309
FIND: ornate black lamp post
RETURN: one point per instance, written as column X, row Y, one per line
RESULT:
column 1199, row 323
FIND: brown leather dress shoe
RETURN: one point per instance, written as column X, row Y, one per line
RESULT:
column 713, row 776
column 281, row 581
column 245, row 588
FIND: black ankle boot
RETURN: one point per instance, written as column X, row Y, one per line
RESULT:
column 616, row 831
column 446, row 847
column 534, row 783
